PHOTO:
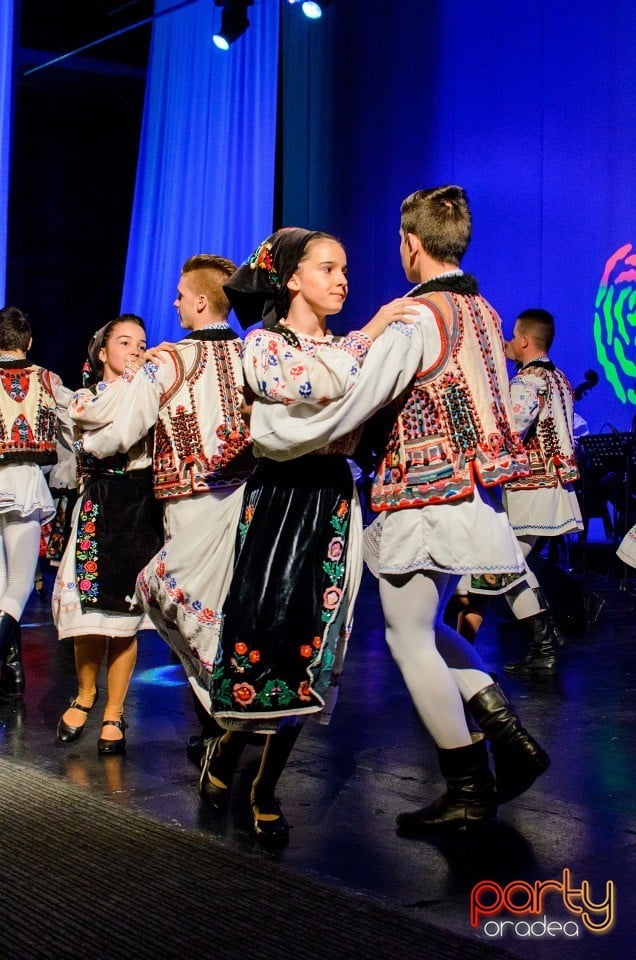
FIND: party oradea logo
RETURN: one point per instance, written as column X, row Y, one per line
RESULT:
column 543, row 910
column 615, row 323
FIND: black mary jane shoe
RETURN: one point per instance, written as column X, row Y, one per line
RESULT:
column 215, row 797
column 112, row 748
column 270, row 832
column 65, row 733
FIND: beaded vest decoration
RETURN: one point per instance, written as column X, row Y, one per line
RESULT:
column 27, row 414
column 452, row 427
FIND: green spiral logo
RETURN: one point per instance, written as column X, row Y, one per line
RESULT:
column 614, row 323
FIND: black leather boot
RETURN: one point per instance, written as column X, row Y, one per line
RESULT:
column 542, row 655
column 559, row 636
column 517, row 756
column 11, row 669
column 469, row 798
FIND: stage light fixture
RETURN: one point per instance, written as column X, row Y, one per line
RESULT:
column 234, row 22
column 314, row 8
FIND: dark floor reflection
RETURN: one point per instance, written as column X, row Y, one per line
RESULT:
column 345, row 783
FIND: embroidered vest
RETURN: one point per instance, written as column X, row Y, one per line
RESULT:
column 201, row 441
column 550, row 442
column 452, row 427
column 27, row 414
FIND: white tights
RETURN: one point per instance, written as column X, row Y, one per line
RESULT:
column 440, row 668
column 20, row 547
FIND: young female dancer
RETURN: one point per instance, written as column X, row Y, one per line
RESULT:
column 288, row 612
column 116, row 529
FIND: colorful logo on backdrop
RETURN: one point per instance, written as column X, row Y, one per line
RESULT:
column 543, row 910
column 615, row 323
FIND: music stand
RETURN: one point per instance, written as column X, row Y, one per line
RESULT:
column 605, row 454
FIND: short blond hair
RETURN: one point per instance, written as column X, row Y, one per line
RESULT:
column 440, row 219
column 206, row 275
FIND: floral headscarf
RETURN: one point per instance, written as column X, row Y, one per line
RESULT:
column 258, row 290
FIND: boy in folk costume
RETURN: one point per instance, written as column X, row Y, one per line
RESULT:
column 28, row 429
column 448, row 444
column 544, row 503
column 201, row 458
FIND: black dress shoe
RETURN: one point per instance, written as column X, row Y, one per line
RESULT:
column 65, row 732
column 215, row 797
column 110, row 748
column 274, row 832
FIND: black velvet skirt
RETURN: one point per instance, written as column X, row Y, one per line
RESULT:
column 119, row 530
column 284, row 614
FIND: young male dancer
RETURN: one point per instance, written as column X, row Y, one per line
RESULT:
column 448, row 441
column 28, row 432
column 202, row 457
column 543, row 504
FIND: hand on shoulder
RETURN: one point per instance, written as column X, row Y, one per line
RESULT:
column 400, row 310
column 154, row 354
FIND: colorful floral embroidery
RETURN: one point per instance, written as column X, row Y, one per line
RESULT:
column 357, row 344
column 21, row 431
column 246, row 519
column 335, row 548
column 244, row 693
column 261, row 259
column 304, row 691
column 86, row 553
column 15, row 384
column 204, row 616
column 233, row 691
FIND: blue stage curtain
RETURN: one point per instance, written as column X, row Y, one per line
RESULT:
column 205, row 177
column 6, row 110
column 309, row 93
column 532, row 114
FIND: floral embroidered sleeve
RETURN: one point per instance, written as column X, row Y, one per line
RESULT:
column 527, row 394
column 123, row 411
column 90, row 410
column 282, row 432
column 315, row 372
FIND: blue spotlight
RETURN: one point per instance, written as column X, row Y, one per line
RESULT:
column 314, row 8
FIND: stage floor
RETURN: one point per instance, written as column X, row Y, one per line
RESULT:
column 345, row 783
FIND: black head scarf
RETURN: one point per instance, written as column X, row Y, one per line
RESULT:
column 258, row 290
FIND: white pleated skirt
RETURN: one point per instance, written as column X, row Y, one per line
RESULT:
column 24, row 490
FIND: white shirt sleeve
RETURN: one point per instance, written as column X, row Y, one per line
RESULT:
column 278, row 371
column 285, row 432
column 123, row 411
column 527, row 396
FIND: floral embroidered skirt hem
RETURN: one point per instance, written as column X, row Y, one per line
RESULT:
column 285, row 619
column 183, row 587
